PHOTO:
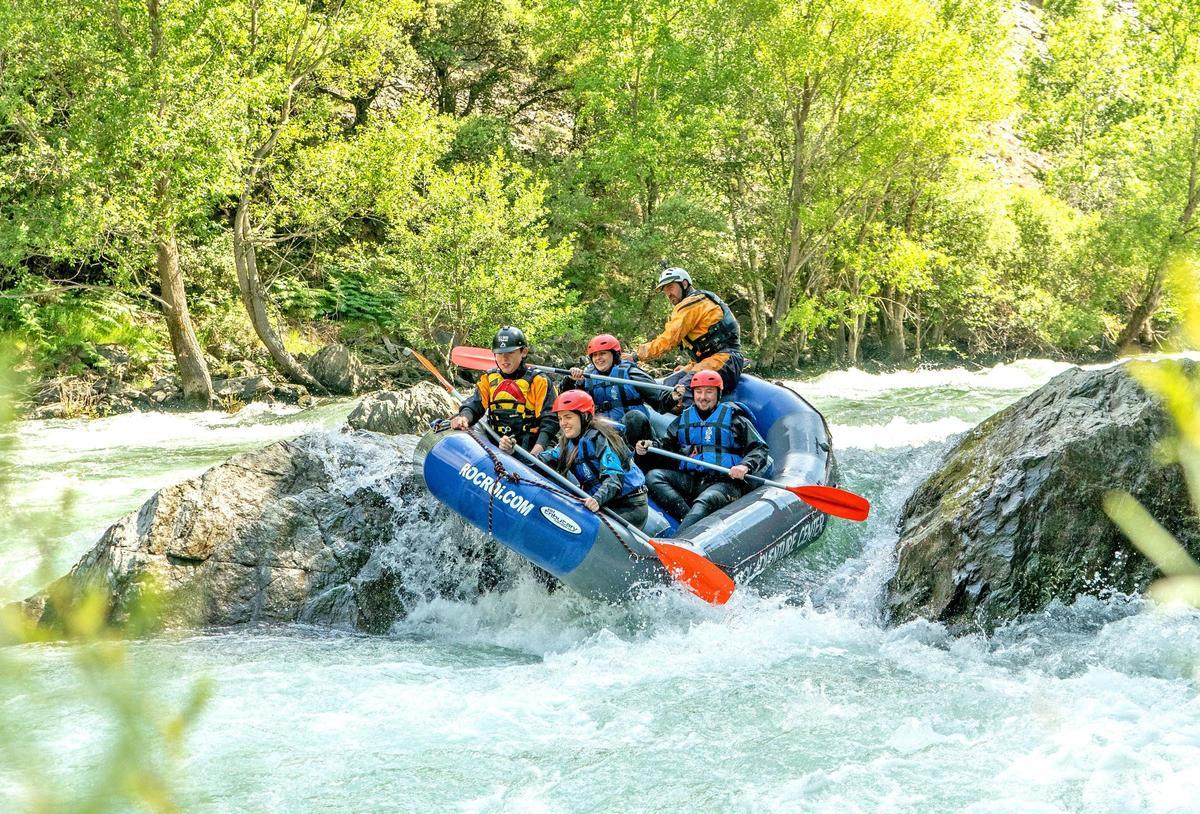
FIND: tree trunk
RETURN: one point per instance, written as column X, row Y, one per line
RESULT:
column 748, row 257
column 1139, row 320
column 892, row 309
column 759, row 306
column 245, row 260
column 853, row 341
column 794, row 256
column 918, row 326
column 189, row 358
column 838, row 344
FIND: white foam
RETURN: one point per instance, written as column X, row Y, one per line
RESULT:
column 55, row 441
column 1025, row 374
column 899, row 432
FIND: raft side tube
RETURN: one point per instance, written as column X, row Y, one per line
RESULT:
column 534, row 518
column 768, row 523
column 549, row 529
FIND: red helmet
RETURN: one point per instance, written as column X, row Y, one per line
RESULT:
column 707, row 378
column 603, row 342
column 577, row 400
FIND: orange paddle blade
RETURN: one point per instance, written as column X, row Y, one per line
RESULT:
column 699, row 574
column 428, row 365
column 473, row 358
column 832, row 500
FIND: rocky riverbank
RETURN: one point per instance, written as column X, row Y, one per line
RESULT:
column 115, row 387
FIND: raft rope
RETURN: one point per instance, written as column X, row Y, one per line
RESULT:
column 514, row 478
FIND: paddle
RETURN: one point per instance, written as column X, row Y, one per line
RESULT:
column 437, row 374
column 829, row 499
column 700, row 574
column 484, row 359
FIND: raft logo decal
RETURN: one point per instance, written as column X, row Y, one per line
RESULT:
column 496, row 489
column 561, row 520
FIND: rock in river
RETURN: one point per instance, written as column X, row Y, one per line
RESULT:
column 1013, row 519
column 404, row 411
column 328, row 529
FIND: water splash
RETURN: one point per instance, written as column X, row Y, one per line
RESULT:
column 794, row 697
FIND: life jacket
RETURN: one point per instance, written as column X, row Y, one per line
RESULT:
column 710, row 439
column 511, row 406
column 586, row 466
column 613, row 400
column 723, row 335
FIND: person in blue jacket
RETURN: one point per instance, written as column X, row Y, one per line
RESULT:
column 591, row 450
column 621, row 403
column 713, row 431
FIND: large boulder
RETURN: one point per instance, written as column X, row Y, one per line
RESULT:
column 243, row 388
column 405, row 411
column 1013, row 518
column 337, row 369
column 327, row 529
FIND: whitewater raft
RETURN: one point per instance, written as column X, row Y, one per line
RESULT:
column 600, row 556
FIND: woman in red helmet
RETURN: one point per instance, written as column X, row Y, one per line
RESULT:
column 623, row 403
column 591, row 449
column 713, row 431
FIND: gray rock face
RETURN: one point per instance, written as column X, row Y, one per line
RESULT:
column 1013, row 519
column 405, row 411
column 327, row 529
column 337, row 369
column 243, row 388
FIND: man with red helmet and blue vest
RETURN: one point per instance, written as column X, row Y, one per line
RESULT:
column 713, row 431
column 622, row 403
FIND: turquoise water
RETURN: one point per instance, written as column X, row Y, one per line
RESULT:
column 794, row 697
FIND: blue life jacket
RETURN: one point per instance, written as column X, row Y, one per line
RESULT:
column 587, row 468
column 614, row 400
column 710, row 440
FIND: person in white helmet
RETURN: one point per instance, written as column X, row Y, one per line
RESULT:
column 700, row 323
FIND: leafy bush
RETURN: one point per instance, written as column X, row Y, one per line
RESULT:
column 63, row 328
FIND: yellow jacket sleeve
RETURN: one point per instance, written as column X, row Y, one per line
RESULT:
column 689, row 319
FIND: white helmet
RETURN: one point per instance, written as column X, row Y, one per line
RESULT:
column 674, row 274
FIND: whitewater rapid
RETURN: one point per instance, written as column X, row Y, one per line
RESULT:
column 794, row 697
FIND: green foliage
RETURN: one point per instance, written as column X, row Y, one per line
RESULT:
column 62, row 329
column 1179, row 391
column 82, row 663
column 856, row 178
column 474, row 256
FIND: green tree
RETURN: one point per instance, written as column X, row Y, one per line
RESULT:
column 474, row 256
column 119, row 142
column 1116, row 99
column 284, row 50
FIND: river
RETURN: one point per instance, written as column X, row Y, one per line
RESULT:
column 795, row 697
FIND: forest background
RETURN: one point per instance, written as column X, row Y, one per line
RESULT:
column 202, row 181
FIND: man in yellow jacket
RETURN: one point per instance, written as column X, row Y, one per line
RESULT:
column 700, row 323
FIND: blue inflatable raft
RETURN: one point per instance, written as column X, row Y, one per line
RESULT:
column 599, row 556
